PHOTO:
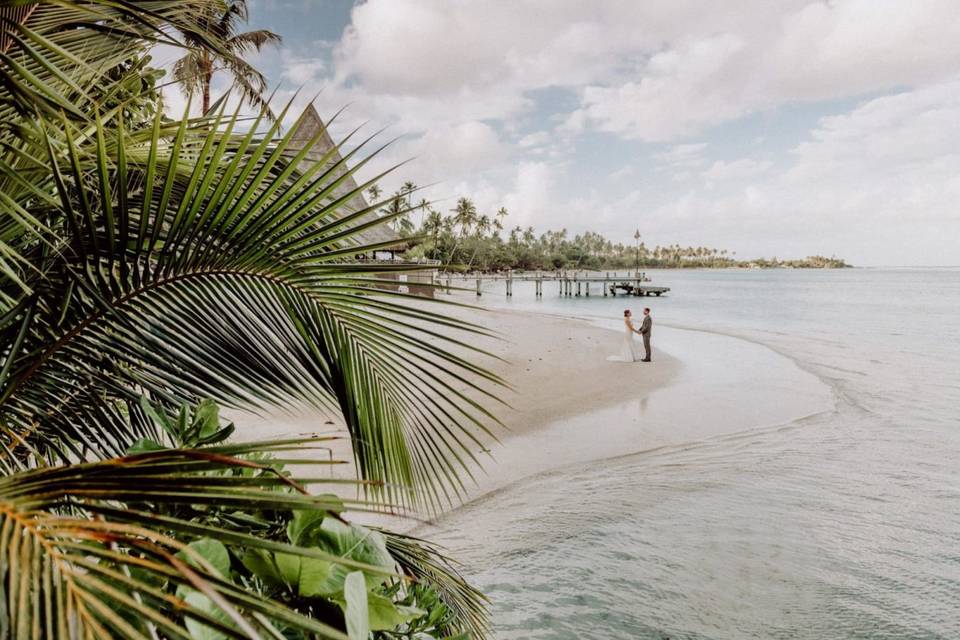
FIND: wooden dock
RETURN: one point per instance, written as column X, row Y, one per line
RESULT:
column 574, row 284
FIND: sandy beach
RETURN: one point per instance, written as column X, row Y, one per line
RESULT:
column 568, row 404
column 539, row 353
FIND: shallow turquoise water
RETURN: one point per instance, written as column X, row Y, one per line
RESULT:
column 843, row 525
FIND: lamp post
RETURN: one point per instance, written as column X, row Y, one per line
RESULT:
column 636, row 236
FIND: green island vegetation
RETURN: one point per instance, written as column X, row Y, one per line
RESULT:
column 153, row 269
column 471, row 240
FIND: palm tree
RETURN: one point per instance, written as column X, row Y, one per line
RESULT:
column 397, row 212
column 432, row 226
column 423, row 206
column 500, row 216
column 482, row 227
column 195, row 70
column 404, row 224
column 464, row 216
column 149, row 267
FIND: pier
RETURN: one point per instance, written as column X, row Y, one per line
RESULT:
column 573, row 285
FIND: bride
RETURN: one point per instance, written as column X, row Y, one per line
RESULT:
column 628, row 349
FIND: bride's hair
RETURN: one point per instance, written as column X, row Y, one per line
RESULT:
column 626, row 312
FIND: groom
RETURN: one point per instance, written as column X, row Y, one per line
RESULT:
column 645, row 329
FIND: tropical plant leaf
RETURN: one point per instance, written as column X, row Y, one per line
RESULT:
column 68, row 60
column 71, row 560
column 427, row 564
column 241, row 290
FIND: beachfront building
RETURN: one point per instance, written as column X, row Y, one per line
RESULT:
column 308, row 126
column 390, row 246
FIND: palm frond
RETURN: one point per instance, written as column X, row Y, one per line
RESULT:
column 425, row 563
column 221, row 274
column 75, row 564
column 59, row 60
column 250, row 41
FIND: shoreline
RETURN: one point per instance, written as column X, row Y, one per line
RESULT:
column 570, row 406
column 534, row 348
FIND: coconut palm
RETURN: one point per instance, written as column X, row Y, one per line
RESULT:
column 464, row 217
column 424, row 207
column 397, row 210
column 147, row 265
column 195, row 70
column 481, row 228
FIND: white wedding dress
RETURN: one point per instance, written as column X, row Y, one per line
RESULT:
column 628, row 348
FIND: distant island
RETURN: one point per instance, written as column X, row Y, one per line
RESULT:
column 468, row 240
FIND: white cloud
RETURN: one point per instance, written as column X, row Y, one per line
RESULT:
column 678, row 95
column 300, row 71
column 814, row 51
column 878, row 184
column 683, row 156
column 736, row 169
column 530, row 199
column 517, row 105
column 536, row 139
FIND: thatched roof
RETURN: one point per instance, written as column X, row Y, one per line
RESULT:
column 306, row 127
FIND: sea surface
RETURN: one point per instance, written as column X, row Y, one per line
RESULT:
column 843, row 524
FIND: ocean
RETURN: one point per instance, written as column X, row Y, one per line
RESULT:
column 841, row 524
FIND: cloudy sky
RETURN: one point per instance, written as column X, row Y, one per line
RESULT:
column 767, row 127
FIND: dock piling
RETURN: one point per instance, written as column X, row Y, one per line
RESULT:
column 569, row 284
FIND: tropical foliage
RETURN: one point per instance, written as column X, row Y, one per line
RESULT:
column 151, row 268
column 195, row 70
column 469, row 239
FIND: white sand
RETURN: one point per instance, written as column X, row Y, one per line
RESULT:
column 570, row 405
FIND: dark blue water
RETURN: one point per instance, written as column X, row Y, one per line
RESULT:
column 843, row 525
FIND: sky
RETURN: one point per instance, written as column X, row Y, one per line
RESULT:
column 766, row 127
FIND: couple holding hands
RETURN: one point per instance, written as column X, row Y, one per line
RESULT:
column 629, row 351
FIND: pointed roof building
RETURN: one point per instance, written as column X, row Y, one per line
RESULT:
column 308, row 125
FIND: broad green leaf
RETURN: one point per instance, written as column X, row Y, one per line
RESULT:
column 206, row 419
column 384, row 615
column 143, row 445
column 318, row 578
column 288, row 566
column 309, row 577
column 198, row 630
column 210, row 550
column 301, row 529
column 160, row 418
column 357, row 543
column 261, row 564
column 355, row 611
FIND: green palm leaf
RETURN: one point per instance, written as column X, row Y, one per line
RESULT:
column 86, row 568
column 224, row 271
column 60, row 60
column 182, row 260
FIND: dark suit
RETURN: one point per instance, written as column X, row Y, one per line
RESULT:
column 646, row 328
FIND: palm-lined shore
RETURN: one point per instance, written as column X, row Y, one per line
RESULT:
column 466, row 239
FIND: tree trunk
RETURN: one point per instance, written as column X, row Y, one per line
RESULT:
column 206, row 92
column 207, row 79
